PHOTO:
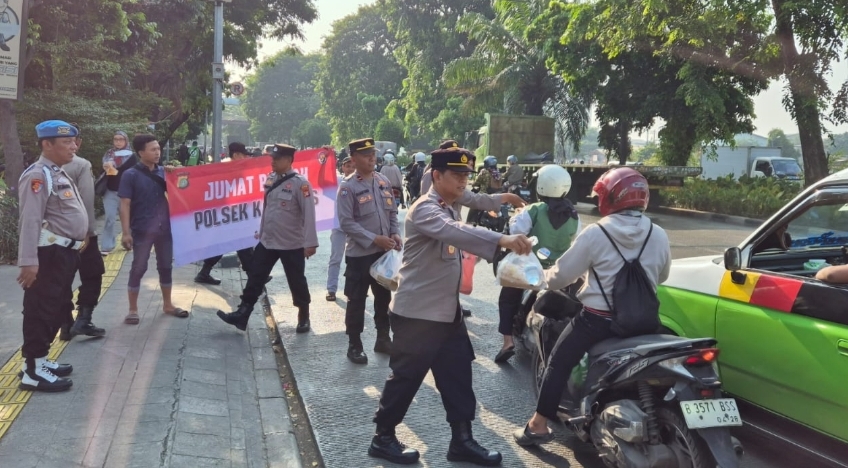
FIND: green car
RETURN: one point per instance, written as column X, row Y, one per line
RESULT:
column 782, row 334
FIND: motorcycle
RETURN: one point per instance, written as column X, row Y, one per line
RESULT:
column 650, row 401
column 497, row 221
column 396, row 194
column 522, row 190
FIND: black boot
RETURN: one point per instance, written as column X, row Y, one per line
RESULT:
column 65, row 332
column 386, row 446
column 83, row 325
column 383, row 343
column 238, row 318
column 466, row 312
column 302, row 320
column 463, row 447
column 204, row 276
column 355, row 353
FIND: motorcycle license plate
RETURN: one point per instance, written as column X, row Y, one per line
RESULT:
column 711, row 413
column 524, row 193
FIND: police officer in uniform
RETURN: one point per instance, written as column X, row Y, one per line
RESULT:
column 368, row 216
column 429, row 330
column 287, row 234
column 53, row 228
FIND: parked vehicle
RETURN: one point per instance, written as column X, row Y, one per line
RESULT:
column 646, row 401
column 752, row 161
column 531, row 138
column 522, row 190
column 783, row 334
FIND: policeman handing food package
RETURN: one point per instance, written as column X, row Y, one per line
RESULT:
column 429, row 330
column 53, row 228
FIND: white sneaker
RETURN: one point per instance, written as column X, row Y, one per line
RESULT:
column 59, row 370
column 42, row 378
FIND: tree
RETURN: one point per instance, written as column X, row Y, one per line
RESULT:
column 454, row 122
column 280, row 96
column 312, row 133
column 357, row 70
column 389, row 129
column 776, row 137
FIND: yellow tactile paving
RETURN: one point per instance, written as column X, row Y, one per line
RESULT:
column 12, row 400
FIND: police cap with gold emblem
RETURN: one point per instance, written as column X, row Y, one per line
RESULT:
column 363, row 144
column 452, row 159
column 279, row 150
column 55, row 129
column 448, row 144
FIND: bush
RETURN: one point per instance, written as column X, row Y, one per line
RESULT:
column 8, row 228
column 753, row 197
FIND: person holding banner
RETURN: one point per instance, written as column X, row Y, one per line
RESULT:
column 337, row 244
column 287, row 233
column 368, row 216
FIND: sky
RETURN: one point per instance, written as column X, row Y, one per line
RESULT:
column 768, row 106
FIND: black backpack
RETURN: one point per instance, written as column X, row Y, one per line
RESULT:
column 638, row 308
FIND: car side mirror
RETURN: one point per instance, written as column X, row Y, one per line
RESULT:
column 732, row 259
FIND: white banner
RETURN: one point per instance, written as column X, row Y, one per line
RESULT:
column 11, row 47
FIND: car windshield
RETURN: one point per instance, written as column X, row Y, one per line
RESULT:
column 822, row 225
column 786, row 167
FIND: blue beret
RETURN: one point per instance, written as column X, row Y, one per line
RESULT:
column 55, row 129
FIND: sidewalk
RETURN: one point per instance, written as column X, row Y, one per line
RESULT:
column 168, row 392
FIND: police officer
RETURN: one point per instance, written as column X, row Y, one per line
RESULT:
column 53, row 228
column 368, row 216
column 337, row 243
column 91, row 267
column 287, row 234
column 428, row 327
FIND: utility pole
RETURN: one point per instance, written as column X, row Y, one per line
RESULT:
column 218, row 79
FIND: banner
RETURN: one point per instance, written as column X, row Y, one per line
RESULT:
column 217, row 208
column 11, row 50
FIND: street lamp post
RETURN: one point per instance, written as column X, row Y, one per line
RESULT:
column 218, row 79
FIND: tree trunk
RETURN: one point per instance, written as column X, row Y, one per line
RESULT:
column 804, row 99
column 11, row 145
column 624, row 149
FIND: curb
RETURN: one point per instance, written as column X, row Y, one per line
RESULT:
column 709, row 216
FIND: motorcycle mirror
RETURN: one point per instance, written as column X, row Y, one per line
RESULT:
column 732, row 259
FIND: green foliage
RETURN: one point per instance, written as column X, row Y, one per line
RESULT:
column 454, row 121
column 778, row 138
column 8, row 228
column 357, row 70
column 312, row 133
column 280, row 96
column 390, row 130
column 754, row 197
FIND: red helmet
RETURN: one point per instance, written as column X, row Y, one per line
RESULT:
column 620, row 189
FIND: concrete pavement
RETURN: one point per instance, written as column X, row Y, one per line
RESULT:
column 168, row 392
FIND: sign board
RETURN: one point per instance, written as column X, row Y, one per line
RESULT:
column 236, row 88
column 12, row 47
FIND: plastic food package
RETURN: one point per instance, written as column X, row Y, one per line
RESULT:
column 386, row 270
column 468, row 263
column 521, row 271
column 815, row 264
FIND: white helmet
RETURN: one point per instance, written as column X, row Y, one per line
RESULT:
column 552, row 181
column 420, row 157
column 389, row 159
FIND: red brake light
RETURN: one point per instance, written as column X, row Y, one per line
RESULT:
column 704, row 356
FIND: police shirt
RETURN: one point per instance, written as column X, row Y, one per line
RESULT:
column 431, row 271
column 53, row 200
column 79, row 170
column 366, row 209
column 288, row 220
column 477, row 201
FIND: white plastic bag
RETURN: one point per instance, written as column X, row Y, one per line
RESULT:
column 386, row 270
column 521, row 271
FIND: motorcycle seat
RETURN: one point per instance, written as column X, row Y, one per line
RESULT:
column 642, row 344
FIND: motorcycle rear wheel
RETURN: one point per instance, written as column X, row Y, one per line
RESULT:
column 686, row 443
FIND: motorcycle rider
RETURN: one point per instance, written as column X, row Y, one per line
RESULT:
column 488, row 181
column 622, row 199
column 413, row 177
column 392, row 172
column 514, row 174
column 554, row 222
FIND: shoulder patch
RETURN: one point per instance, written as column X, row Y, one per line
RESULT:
column 36, row 185
column 305, row 190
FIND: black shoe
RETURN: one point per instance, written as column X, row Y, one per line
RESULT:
column 238, row 318
column 83, row 325
column 206, row 278
column 383, row 344
column 331, row 297
column 59, row 370
column 65, row 332
column 268, row 279
column 466, row 312
column 38, row 377
column 356, row 355
column 505, row 354
column 389, row 448
column 302, row 327
column 525, row 438
column 463, row 447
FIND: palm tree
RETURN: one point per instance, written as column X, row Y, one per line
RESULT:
column 508, row 72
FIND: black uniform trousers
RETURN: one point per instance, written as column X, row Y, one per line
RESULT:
column 245, row 256
column 47, row 300
column 418, row 347
column 91, row 269
column 509, row 302
column 357, row 281
column 294, row 264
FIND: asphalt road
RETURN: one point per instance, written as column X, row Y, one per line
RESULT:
column 340, row 397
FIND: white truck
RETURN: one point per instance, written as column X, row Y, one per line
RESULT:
column 383, row 146
column 752, row 161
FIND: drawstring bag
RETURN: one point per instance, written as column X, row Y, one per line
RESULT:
column 468, row 263
column 386, row 270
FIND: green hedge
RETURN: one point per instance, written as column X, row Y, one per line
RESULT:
column 8, row 228
column 753, row 197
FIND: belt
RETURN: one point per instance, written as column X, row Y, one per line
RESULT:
column 48, row 238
